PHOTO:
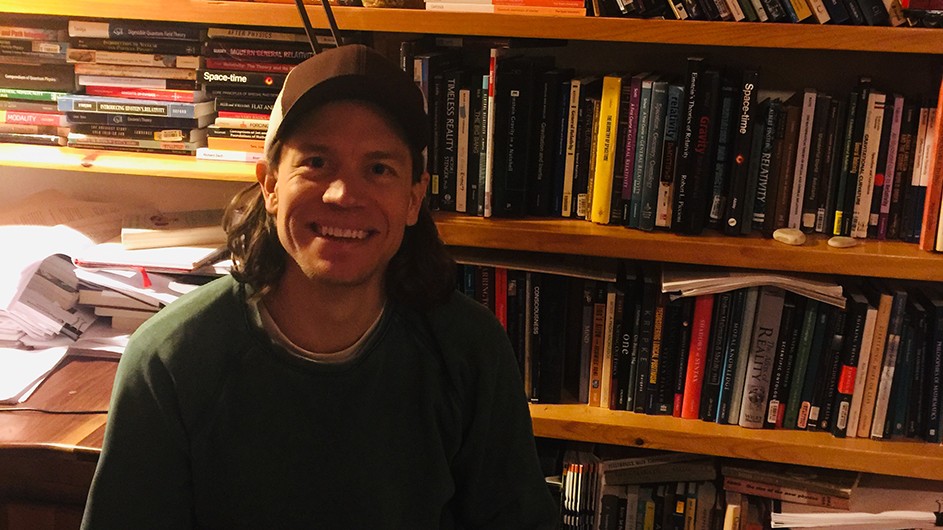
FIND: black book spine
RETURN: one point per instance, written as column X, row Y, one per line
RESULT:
column 663, row 396
column 874, row 12
column 854, row 165
column 855, row 313
column 934, row 367
column 631, row 312
column 546, row 142
column 903, row 168
column 731, row 350
column 133, row 30
column 823, row 319
column 714, row 363
column 551, row 339
column 644, row 352
column 827, row 382
column 753, row 171
column 782, row 363
column 232, row 78
column 765, row 180
column 723, row 160
column 854, row 12
column 684, row 194
column 560, row 144
column 880, row 177
column 704, row 150
column 848, row 142
column 774, row 10
column 833, row 142
column 52, row 77
column 244, row 105
column 514, row 98
column 476, row 134
column 136, row 46
column 687, row 315
column 584, row 145
column 448, row 143
column 257, row 51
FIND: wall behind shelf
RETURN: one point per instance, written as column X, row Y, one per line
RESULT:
column 166, row 194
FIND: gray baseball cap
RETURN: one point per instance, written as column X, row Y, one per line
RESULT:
column 352, row 71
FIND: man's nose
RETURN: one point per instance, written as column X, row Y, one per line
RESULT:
column 340, row 192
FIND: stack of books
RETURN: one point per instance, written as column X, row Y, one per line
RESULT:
column 244, row 71
column 140, row 87
column 556, row 8
column 33, row 75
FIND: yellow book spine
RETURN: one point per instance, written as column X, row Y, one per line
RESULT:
column 801, row 8
column 606, row 148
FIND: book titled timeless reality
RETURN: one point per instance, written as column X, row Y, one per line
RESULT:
column 192, row 227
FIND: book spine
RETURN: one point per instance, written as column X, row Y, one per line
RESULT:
column 120, row 131
column 137, row 82
column 870, row 144
column 77, row 139
column 641, row 145
column 258, row 52
column 802, row 159
column 46, row 77
column 461, row 155
column 763, row 194
column 809, row 320
column 782, row 363
column 572, row 133
column 631, row 142
column 239, row 78
column 813, row 202
column 787, row 494
column 229, row 64
column 731, row 349
column 703, row 151
column 848, row 147
column 669, row 162
column 136, row 46
column 605, row 149
column 681, row 366
column 889, row 363
column 490, row 135
column 187, row 96
column 129, row 30
column 697, row 355
column 684, row 180
column 448, row 149
column 653, row 158
column 133, row 59
column 130, row 120
column 31, row 33
column 32, row 118
column 854, row 162
column 762, row 354
column 120, row 106
column 855, row 320
column 934, row 187
column 888, row 174
column 722, row 160
column 714, row 360
column 833, row 141
column 742, row 354
column 753, row 171
column 643, row 357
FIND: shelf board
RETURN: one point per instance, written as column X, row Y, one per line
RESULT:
column 126, row 163
column 283, row 14
column 888, row 259
column 594, row 424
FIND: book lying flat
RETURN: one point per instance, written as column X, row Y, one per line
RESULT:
column 168, row 259
column 192, row 227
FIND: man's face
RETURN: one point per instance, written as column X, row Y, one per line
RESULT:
column 342, row 194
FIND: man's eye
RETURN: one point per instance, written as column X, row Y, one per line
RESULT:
column 315, row 162
column 381, row 169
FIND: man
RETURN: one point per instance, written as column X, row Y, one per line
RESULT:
column 335, row 380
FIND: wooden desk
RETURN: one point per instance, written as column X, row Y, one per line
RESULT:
column 47, row 460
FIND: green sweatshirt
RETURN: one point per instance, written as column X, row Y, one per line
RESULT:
column 213, row 426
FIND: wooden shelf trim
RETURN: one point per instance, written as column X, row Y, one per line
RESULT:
column 889, row 259
column 593, row 424
column 127, row 163
column 742, row 34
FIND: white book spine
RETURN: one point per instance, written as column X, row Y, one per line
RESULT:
column 760, row 362
column 566, row 209
column 489, row 163
column 861, row 372
column 802, row 158
column 922, row 126
column 818, row 11
column 870, row 145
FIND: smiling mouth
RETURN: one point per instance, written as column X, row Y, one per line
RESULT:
column 347, row 234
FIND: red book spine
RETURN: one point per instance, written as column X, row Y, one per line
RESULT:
column 153, row 94
column 32, row 118
column 697, row 355
column 931, row 205
column 501, row 295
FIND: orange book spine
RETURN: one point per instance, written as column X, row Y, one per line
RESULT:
column 931, row 205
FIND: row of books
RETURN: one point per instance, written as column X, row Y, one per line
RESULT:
column 652, row 151
column 145, row 86
column 758, row 357
column 600, row 489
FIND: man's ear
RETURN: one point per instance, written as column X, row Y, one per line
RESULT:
column 416, row 194
column 265, row 175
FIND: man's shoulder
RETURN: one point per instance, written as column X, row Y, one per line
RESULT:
column 465, row 329
column 208, row 313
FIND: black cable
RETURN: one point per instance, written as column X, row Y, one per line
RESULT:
column 335, row 32
column 309, row 31
column 50, row 411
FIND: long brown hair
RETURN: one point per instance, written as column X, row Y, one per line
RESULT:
column 420, row 275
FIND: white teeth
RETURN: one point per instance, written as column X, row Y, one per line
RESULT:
column 345, row 233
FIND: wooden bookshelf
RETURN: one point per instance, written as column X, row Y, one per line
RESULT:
column 283, row 14
column 594, row 424
column 558, row 236
column 124, row 163
column 891, row 259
